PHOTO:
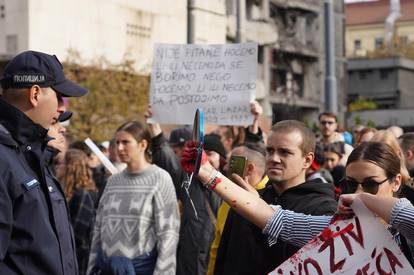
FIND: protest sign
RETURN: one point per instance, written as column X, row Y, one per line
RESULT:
column 220, row 79
column 357, row 246
column 105, row 161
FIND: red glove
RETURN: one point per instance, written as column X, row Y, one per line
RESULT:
column 189, row 156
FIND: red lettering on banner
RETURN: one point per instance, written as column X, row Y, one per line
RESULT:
column 334, row 266
column 378, row 265
column 375, row 264
column 327, row 236
column 314, row 264
column 392, row 259
column 364, row 270
column 359, row 237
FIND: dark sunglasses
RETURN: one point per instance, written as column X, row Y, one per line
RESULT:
column 324, row 122
column 368, row 185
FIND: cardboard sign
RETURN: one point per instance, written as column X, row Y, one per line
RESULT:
column 220, row 79
column 357, row 246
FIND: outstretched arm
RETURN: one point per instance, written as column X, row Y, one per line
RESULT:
column 162, row 154
column 274, row 221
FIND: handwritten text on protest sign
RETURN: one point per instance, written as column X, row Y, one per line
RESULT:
column 356, row 246
column 221, row 79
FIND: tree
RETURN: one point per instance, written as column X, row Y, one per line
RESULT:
column 399, row 48
column 116, row 94
column 362, row 104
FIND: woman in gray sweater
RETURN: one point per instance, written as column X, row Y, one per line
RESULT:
column 137, row 224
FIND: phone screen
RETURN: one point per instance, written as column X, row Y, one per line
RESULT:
column 238, row 165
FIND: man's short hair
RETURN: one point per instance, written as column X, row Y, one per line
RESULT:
column 289, row 126
column 407, row 141
column 328, row 114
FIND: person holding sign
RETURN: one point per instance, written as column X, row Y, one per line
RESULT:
column 137, row 222
column 371, row 168
column 199, row 205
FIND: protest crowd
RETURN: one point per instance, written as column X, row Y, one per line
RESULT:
column 63, row 212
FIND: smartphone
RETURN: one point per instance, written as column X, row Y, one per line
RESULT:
column 238, row 165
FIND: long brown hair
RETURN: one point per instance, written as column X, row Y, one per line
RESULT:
column 389, row 139
column 380, row 154
column 76, row 174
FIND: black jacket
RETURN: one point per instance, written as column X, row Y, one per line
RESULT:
column 164, row 157
column 30, row 239
column 244, row 249
column 196, row 233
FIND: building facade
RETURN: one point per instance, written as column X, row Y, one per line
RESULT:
column 375, row 70
column 388, row 82
column 366, row 25
column 290, row 36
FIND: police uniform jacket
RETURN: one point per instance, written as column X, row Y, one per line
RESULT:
column 33, row 212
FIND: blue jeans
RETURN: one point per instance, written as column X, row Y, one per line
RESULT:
column 119, row 265
column 145, row 264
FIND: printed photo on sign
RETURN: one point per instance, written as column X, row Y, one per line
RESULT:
column 220, row 79
column 357, row 246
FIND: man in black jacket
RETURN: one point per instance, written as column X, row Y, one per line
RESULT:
column 31, row 237
column 290, row 151
column 198, row 207
column 198, row 210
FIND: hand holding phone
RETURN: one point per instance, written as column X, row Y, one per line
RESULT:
column 238, row 165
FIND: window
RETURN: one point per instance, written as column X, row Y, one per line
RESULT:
column 253, row 9
column 362, row 75
column 379, row 41
column 230, row 7
column 310, row 30
column 11, row 44
column 260, row 54
column 384, row 73
column 357, row 44
column 297, row 85
column 278, row 81
column 404, row 40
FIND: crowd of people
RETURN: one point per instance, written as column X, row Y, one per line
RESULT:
column 62, row 212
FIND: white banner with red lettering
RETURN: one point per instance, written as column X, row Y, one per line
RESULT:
column 358, row 246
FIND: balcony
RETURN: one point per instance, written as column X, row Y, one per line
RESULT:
column 307, row 5
column 261, row 32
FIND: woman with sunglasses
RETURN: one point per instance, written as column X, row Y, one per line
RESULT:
column 372, row 167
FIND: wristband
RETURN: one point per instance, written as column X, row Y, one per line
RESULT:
column 215, row 179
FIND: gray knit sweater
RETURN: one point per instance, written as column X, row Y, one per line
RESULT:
column 136, row 212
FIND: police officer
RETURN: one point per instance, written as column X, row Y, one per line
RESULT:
column 32, row 239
